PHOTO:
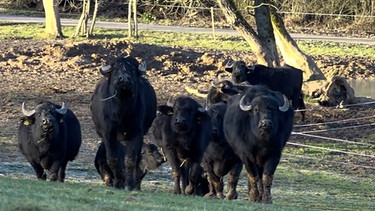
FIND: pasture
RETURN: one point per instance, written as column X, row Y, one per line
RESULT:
column 329, row 163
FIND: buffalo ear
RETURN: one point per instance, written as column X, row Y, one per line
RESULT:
column 27, row 120
column 167, row 110
column 201, row 112
column 250, row 69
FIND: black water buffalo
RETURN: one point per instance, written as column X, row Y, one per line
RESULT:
column 183, row 129
column 219, row 159
column 287, row 80
column 49, row 136
column 257, row 125
column 222, row 90
column 151, row 159
column 123, row 107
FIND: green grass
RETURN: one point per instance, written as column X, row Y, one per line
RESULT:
column 293, row 189
column 171, row 39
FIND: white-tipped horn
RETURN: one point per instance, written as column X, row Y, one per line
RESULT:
column 244, row 106
column 106, row 68
column 170, row 102
column 229, row 64
column 201, row 109
column 142, row 67
column 27, row 112
column 63, row 109
column 285, row 107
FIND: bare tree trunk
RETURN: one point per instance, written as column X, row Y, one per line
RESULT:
column 130, row 19
column 234, row 17
column 132, row 7
column 135, row 18
column 53, row 24
column 91, row 31
column 81, row 28
column 291, row 53
column 265, row 30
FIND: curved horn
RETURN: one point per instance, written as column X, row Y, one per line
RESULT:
column 142, row 67
column 285, row 107
column 170, row 102
column 63, row 109
column 27, row 112
column 229, row 64
column 106, row 69
column 243, row 106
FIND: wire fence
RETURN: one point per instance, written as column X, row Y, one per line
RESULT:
column 360, row 19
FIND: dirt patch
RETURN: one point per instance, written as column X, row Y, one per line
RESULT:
column 68, row 71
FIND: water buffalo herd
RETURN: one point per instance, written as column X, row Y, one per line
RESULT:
column 245, row 121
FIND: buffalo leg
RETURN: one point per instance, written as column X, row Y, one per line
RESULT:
column 233, row 177
column 267, row 178
column 253, row 181
column 302, row 106
column 298, row 103
column 132, row 159
column 195, row 176
column 215, row 182
column 115, row 162
column 186, row 186
column 53, row 171
column 174, row 162
column 39, row 171
column 102, row 167
column 61, row 172
column 267, row 183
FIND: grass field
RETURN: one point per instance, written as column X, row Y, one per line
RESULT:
column 306, row 179
column 36, row 31
column 293, row 189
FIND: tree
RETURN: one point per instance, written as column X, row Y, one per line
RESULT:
column 82, row 28
column 53, row 24
column 132, row 28
column 270, row 30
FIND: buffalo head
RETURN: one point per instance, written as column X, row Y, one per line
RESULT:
column 185, row 113
column 123, row 74
column 216, row 112
column 151, row 157
column 221, row 91
column 44, row 120
column 238, row 69
column 265, row 110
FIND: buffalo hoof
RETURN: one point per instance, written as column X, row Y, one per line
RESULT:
column 232, row 196
column 119, row 184
column 189, row 189
column 108, row 181
column 210, row 195
column 53, row 177
column 220, row 196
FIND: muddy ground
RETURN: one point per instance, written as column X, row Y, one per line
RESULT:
column 67, row 71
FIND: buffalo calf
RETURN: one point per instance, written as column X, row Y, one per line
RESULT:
column 183, row 129
column 219, row 159
column 151, row 159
